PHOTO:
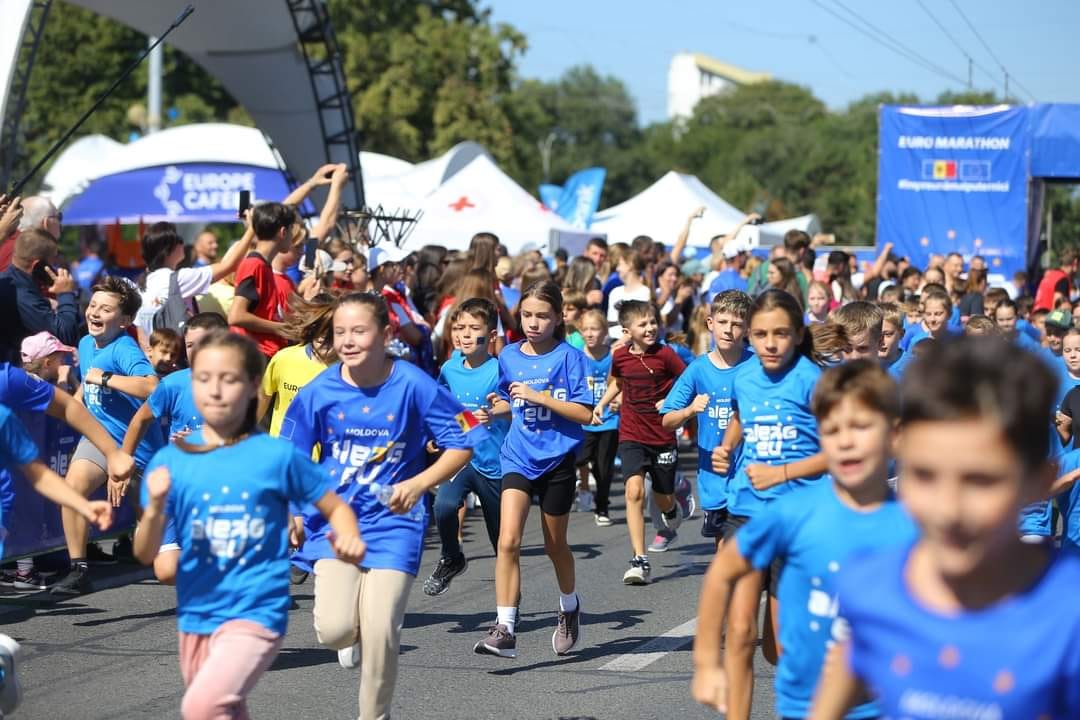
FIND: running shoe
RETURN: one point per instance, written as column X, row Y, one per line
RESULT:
column 603, row 519
column 662, row 541
column 349, row 657
column 76, row 582
column 568, row 633
column 297, row 576
column 673, row 518
column 96, row 556
column 445, row 571
column 585, row 501
column 499, row 642
column 123, row 551
column 7, row 578
column 31, row 581
column 10, row 691
column 639, row 573
column 684, row 495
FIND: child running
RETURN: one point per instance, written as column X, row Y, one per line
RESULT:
column 164, row 351
column 966, row 621
column 704, row 392
column 862, row 323
column 892, row 357
column 543, row 379
column 116, row 379
column 644, row 371
column 228, row 489
column 471, row 376
column 370, row 415
column 813, row 532
column 601, row 439
column 775, row 433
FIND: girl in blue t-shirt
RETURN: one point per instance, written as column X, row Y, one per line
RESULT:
column 371, row 416
column 602, row 439
column 227, row 487
column 542, row 385
column 775, row 432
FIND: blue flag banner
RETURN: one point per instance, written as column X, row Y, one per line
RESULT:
column 191, row 192
column 954, row 179
column 577, row 200
column 550, row 196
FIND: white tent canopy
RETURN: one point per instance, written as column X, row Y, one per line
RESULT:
column 408, row 187
column 660, row 211
column 482, row 198
column 73, row 168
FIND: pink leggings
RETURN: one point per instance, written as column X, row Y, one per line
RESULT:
column 220, row 670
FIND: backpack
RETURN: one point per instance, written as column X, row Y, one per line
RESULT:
column 173, row 313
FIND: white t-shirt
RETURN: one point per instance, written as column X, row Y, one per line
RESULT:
column 617, row 296
column 192, row 282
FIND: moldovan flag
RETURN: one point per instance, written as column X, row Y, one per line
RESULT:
column 944, row 169
column 466, row 421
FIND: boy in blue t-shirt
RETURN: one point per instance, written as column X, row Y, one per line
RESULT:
column 471, row 376
column 813, row 533
column 966, row 621
column 892, row 357
column 116, row 377
column 704, row 392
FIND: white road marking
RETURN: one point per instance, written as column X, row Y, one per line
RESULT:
column 649, row 652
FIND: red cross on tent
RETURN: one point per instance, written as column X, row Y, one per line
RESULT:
column 461, row 203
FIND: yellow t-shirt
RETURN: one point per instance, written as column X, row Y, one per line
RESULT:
column 288, row 371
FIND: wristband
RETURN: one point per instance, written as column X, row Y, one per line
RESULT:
column 105, row 377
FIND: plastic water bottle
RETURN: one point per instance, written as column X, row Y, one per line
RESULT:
column 383, row 493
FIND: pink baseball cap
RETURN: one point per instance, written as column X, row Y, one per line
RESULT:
column 42, row 345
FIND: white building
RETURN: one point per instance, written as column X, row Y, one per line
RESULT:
column 692, row 76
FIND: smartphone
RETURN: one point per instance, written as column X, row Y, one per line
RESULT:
column 40, row 273
column 310, row 247
column 757, row 221
column 245, row 203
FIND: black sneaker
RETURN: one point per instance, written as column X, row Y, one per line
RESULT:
column 123, row 551
column 445, row 571
column 297, row 576
column 7, row 578
column 32, row 581
column 499, row 642
column 76, row 582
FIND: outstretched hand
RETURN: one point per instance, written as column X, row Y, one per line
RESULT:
column 100, row 514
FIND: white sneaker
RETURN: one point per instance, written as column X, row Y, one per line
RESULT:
column 639, row 573
column 585, row 501
column 349, row 657
column 673, row 523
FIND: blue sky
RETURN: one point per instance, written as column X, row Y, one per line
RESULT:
column 634, row 40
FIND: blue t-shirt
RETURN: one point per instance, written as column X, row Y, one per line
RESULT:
column 172, row 399
column 540, row 439
column 230, row 508
column 30, row 397
column 110, row 407
column 702, row 376
column 87, row 272
column 1026, row 328
column 471, row 386
column 511, row 296
column 375, row 434
column 726, row 279
column 1069, row 502
column 896, row 367
column 1026, row 342
column 814, row 534
column 778, row 427
column 597, row 372
column 1019, row 658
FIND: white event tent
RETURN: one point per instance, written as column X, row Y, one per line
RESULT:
column 482, row 198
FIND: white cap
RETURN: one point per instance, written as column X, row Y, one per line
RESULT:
column 384, row 253
column 734, row 248
column 325, row 262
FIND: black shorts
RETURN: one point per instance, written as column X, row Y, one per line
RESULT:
column 659, row 462
column 713, row 526
column 555, row 489
column 772, row 574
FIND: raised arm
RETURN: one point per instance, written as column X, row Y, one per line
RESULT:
column 236, row 252
column 684, row 236
column 329, row 215
column 321, row 177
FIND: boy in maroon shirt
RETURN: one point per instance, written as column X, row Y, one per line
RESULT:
column 644, row 371
column 257, row 307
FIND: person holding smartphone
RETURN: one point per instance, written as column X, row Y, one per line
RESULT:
column 31, row 281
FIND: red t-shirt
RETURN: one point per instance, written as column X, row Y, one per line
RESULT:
column 255, row 282
column 1053, row 281
column 285, row 288
column 645, row 379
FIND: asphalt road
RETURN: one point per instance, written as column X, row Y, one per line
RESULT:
column 112, row 654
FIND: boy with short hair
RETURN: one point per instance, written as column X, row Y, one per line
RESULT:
column 645, row 371
column 966, row 621
column 861, row 321
column 164, row 353
column 813, row 532
column 472, row 376
column 704, row 391
column 892, row 358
